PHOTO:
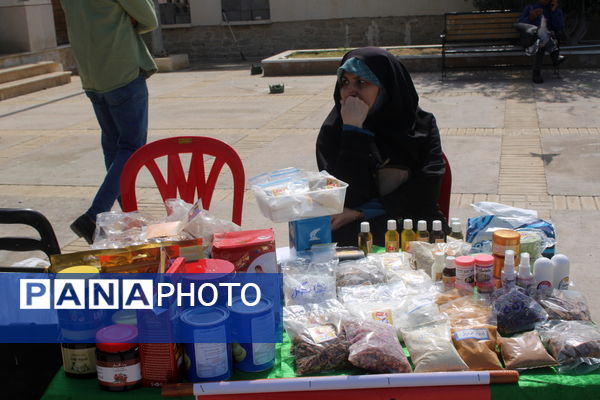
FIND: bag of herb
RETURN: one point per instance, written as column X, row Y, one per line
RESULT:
column 516, row 312
column 525, row 351
column 566, row 305
column 477, row 347
column 318, row 340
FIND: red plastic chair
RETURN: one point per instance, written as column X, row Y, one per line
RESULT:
column 445, row 190
column 197, row 182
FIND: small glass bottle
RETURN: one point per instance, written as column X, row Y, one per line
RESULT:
column 457, row 231
column 392, row 237
column 437, row 234
column 408, row 235
column 422, row 232
column 449, row 273
column 365, row 239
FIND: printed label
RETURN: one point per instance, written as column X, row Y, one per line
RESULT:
column 484, row 273
column 79, row 361
column 448, row 281
column 263, row 353
column 322, row 333
column 118, row 374
column 564, row 283
column 392, row 246
column 211, row 358
column 544, row 285
column 478, row 334
column 464, row 276
column 384, row 315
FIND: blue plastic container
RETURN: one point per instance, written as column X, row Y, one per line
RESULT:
column 208, row 355
column 251, row 326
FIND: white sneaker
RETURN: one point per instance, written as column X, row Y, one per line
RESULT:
column 531, row 50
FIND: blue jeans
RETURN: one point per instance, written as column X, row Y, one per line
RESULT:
column 123, row 117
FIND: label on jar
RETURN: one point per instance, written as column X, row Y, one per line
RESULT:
column 464, row 276
column 79, row 361
column 484, row 273
column 500, row 249
column 211, row 359
column 448, row 281
column 263, row 353
column 384, row 315
column 120, row 373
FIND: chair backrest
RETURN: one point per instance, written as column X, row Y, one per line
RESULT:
column 47, row 241
column 445, row 190
column 176, row 185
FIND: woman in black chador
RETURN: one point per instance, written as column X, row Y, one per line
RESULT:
column 381, row 143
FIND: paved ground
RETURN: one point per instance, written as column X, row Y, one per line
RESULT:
column 507, row 141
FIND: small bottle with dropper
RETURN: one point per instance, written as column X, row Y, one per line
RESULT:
column 457, row 231
column 509, row 275
column 422, row 232
column 525, row 277
column 392, row 237
column 437, row 234
column 365, row 238
column 408, row 235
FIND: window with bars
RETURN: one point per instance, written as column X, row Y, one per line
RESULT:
column 245, row 10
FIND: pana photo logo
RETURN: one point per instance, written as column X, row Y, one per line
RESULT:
column 136, row 294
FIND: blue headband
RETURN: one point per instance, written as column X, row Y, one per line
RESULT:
column 357, row 67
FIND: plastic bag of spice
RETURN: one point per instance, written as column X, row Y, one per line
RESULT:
column 574, row 344
column 525, row 351
column 566, row 305
column 477, row 347
column 467, row 311
column 306, row 282
column 375, row 347
column 318, row 340
column 365, row 271
column 517, row 312
column 431, row 349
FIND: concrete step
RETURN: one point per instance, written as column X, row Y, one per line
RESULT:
column 28, row 70
column 33, row 84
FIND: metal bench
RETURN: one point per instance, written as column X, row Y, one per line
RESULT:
column 479, row 34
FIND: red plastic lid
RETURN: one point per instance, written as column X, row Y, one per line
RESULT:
column 464, row 261
column 116, row 338
column 209, row 266
column 241, row 238
column 484, row 259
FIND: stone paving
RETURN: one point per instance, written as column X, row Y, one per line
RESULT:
column 507, row 141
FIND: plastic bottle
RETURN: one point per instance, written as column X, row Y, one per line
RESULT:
column 457, row 231
column 543, row 273
column 439, row 264
column 422, row 232
column 465, row 273
column 561, row 272
column 365, row 239
column 525, row 277
column 484, row 265
column 509, row 276
column 392, row 237
column 408, row 235
column 437, row 234
column 449, row 273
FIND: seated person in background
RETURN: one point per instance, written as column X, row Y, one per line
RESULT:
column 537, row 24
column 378, row 140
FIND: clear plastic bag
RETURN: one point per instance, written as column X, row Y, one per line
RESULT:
column 374, row 347
column 525, row 351
column 418, row 310
column 574, row 344
column 476, row 345
column 115, row 229
column 416, row 282
column 395, row 264
column 364, row 293
column 307, row 282
column 467, row 311
column 366, row 271
column 387, row 312
column 202, row 224
column 431, row 349
column 566, row 305
column 319, row 342
column 517, row 312
column 423, row 252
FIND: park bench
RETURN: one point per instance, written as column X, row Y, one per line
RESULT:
column 479, row 34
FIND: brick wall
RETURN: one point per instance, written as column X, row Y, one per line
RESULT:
column 259, row 41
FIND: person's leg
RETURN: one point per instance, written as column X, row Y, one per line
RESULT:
column 552, row 49
column 537, row 66
column 128, row 107
column 110, row 134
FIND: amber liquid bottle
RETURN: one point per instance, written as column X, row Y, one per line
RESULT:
column 392, row 237
column 457, row 231
column 437, row 234
column 365, row 239
column 408, row 235
column 422, row 232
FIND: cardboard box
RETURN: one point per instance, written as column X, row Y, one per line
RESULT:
column 307, row 232
column 249, row 251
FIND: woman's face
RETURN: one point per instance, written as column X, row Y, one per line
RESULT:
column 354, row 86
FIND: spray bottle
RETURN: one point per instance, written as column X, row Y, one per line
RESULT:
column 525, row 277
column 509, row 276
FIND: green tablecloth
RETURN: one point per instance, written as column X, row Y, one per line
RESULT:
column 542, row 384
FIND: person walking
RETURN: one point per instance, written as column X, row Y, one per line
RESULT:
column 113, row 63
column 539, row 23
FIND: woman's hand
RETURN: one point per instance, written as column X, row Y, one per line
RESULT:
column 354, row 111
column 347, row 216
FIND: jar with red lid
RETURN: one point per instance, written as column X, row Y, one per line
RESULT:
column 118, row 358
column 465, row 272
column 484, row 273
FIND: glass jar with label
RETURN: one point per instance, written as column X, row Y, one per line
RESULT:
column 79, row 358
column 118, row 358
